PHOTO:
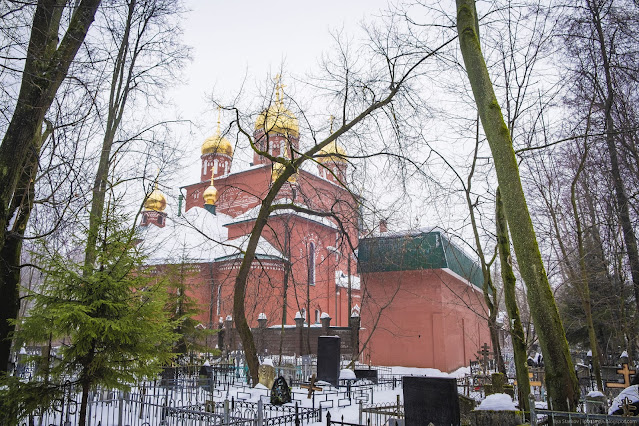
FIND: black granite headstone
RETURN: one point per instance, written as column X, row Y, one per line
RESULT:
column 168, row 376
column 367, row 375
column 280, row 392
column 205, row 370
column 328, row 354
column 430, row 400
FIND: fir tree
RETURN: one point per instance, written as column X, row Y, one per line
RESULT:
column 113, row 318
column 191, row 335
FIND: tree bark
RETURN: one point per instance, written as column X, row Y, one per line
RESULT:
column 561, row 381
column 46, row 66
column 517, row 335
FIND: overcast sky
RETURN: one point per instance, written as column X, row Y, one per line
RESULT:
column 234, row 40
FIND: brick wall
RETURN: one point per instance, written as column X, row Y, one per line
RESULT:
column 295, row 340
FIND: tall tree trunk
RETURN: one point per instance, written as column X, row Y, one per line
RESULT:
column 287, row 275
column 119, row 91
column 510, row 298
column 623, row 210
column 488, row 289
column 85, row 382
column 582, row 278
column 561, row 381
column 10, row 255
column 46, row 66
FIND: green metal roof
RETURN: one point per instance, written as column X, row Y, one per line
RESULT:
column 416, row 251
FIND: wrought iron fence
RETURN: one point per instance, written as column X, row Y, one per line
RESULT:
column 380, row 414
column 542, row 417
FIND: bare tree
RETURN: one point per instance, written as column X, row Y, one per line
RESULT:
column 562, row 385
column 46, row 65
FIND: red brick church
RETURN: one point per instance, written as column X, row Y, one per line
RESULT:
column 305, row 264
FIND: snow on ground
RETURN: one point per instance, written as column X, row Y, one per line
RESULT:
column 429, row 372
column 497, row 402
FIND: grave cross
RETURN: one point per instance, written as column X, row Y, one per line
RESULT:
column 484, row 356
column 627, row 407
column 311, row 387
column 626, row 373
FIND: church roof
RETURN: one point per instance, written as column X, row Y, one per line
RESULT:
column 197, row 237
column 416, row 250
column 251, row 214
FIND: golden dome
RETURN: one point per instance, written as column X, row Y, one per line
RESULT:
column 332, row 152
column 155, row 201
column 210, row 194
column 278, row 119
column 217, row 144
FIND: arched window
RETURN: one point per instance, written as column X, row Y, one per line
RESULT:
column 311, row 264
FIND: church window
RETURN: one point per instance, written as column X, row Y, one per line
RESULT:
column 311, row 264
column 317, row 316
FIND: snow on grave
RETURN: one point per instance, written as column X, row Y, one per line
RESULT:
column 627, row 402
column 347, row 374
column 497, row 402
column 497, row 409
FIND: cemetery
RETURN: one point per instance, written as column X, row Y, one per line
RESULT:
column 325, row 388
column 347, row 213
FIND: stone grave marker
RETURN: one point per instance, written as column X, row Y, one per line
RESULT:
column 328, row 355
column 168, row 377
column 430, row 400
column 280, row 392
column 266, row 374
column 366, row 374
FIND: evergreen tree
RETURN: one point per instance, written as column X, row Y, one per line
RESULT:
column 191, row 336
column 112, row 318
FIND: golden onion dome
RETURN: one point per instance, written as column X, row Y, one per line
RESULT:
column 217, row 144
column 210, row 195
column 155, row 201
column 277, row 118
column 332, row 153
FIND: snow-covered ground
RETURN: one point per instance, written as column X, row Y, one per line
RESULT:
column 106, row 406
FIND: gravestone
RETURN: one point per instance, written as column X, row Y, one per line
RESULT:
column 430, row 400
column 280, row 392
column 266, row 374
column 366, row 374
column 168, row 377
column 328, row 355
column 206, row 371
